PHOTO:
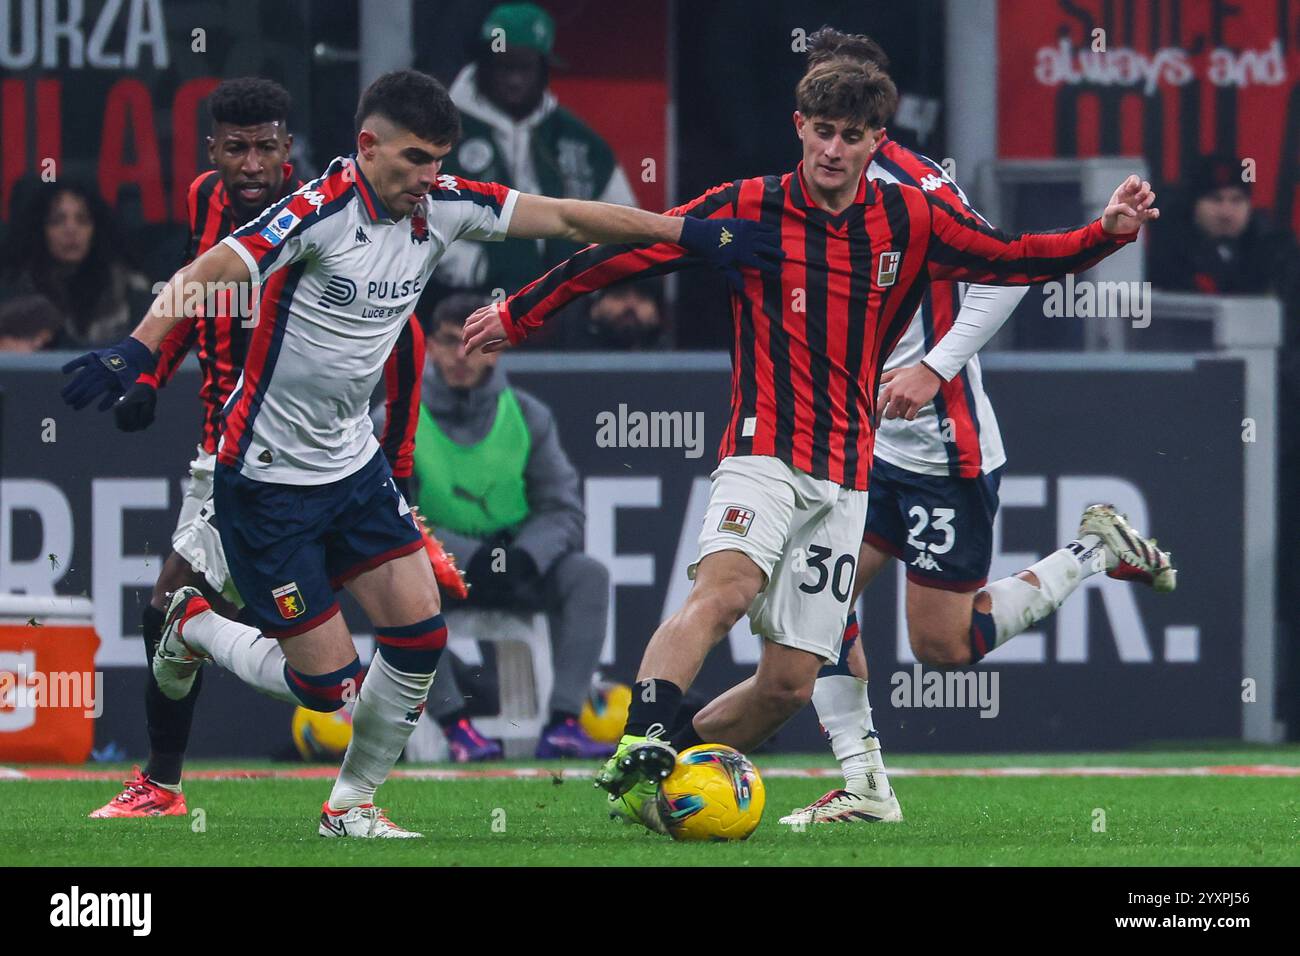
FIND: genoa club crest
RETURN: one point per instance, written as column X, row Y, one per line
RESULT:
column 419, row 226
column 289, row 600
column 736, row 520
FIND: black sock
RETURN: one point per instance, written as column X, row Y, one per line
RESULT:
column 686, row 736
column 559, row 717
column 654, row 707
column 168, row 720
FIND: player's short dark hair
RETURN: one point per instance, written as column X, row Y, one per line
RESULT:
column 841, row 87
column 455, row 309
column 828, row 43
column 414, row 101
column 249, row 101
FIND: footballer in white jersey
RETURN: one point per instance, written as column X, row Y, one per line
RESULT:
column 306, row 503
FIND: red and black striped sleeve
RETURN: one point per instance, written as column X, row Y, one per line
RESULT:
column 402, row 373
column 598, row 266
column 172, row 352
column 204, row 203
column 970, row 250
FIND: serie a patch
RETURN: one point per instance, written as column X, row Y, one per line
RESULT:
column 736, row 520
column 289, row 600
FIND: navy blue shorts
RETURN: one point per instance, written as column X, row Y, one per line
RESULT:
column 290, row 547
column 941, row 528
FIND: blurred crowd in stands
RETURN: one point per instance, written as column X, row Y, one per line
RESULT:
column 67, row 280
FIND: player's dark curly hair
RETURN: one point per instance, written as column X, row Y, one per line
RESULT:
column 249, row 101
column 828, row 43
column 841, row 87
column 414, row 101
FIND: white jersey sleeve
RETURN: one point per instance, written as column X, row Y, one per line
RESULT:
column 472, row 210
column 984, row 310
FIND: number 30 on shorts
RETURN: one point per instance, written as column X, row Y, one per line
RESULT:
column 839, row 576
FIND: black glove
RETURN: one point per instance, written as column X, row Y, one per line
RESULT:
column 109, row 372
column 135, row 411
column 733, row 244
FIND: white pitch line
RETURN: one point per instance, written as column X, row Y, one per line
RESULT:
column 1257, row 771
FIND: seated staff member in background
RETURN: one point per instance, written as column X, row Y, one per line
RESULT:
column 500, row 493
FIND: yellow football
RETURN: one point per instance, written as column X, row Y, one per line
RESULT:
column 604, row 712
column 321, row 736
column 714, row 793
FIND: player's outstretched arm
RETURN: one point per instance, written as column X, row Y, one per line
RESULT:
column 500, row 325
column 970, row 250
column 108, row 373
column 726, row 244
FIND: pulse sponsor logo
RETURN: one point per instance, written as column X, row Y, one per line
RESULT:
column 339, row 291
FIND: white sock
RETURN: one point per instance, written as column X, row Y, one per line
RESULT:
column 845, row 714
column 381, row 725
column 1018, row 605
column 244, row 651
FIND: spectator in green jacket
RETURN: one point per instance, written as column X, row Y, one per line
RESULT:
column 517, row 133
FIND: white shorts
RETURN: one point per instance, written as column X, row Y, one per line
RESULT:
column 195, row 538
column 804, row 533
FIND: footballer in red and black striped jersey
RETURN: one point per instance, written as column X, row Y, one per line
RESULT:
column 810, row 344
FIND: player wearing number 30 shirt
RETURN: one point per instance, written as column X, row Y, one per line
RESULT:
column 789, row 497
column 305, row 500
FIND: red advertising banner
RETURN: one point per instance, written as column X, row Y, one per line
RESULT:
column 1167, row 79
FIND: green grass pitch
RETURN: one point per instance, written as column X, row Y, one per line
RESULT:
column 1182, row 820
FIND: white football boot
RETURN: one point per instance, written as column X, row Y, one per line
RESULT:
column 845, row 806
column 366, row 821
column 1129, row 556
column 174, row 662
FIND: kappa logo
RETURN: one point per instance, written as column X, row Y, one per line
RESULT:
column 361, row 237
column 925, row 561
column 736, row 521
column 726, row 237
column 887, row 268
column 316, row 199
column 931, row 182
column 448, row 182
column 289, row 600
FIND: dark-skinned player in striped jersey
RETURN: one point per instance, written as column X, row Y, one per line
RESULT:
column 789, row 496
